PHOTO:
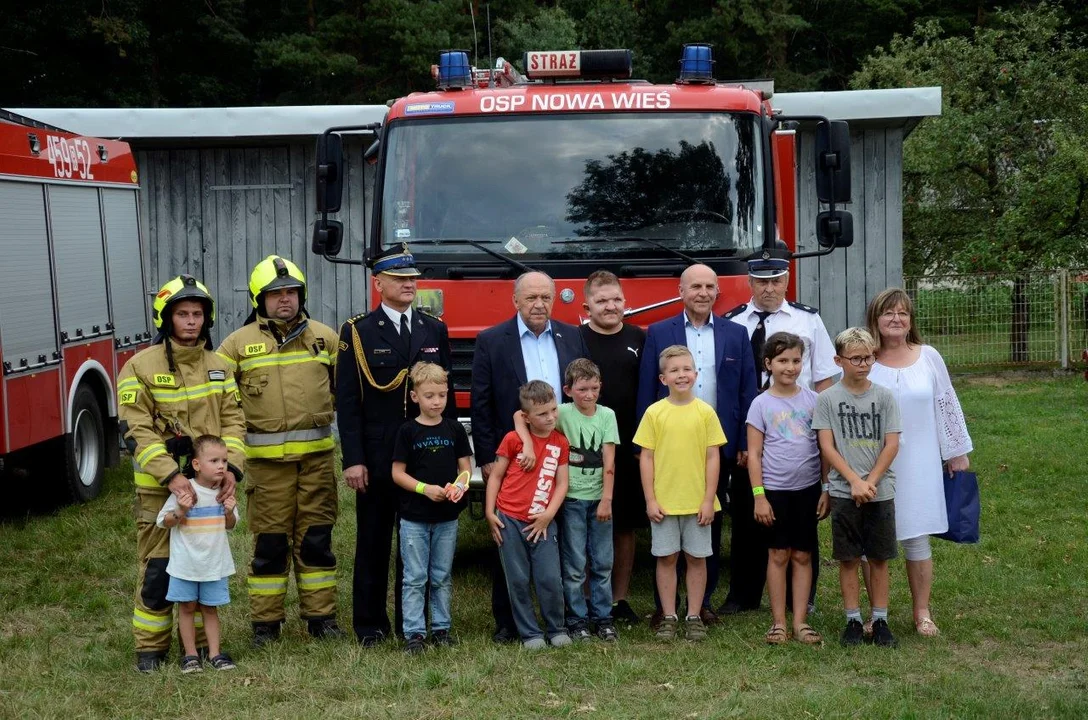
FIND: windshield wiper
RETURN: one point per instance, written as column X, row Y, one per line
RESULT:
column 479, row 245
column 629, row 238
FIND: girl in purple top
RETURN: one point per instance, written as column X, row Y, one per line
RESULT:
column 789, row 482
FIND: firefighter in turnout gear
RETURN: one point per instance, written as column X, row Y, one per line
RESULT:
column 168, row 395
column 283, row 362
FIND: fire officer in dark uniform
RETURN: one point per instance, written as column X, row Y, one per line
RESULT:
column 376, row 351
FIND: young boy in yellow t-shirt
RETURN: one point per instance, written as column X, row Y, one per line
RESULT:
column 680, row 436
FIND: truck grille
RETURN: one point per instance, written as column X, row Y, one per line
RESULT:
column 461, row 350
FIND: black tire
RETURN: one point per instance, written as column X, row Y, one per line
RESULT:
column 85, row 447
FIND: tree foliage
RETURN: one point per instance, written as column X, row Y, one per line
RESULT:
column 1000, row 180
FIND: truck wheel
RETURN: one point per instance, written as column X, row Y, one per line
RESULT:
column 86, row 447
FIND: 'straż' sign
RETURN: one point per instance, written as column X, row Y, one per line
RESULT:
column 545, row 63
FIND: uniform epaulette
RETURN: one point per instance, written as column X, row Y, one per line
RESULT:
column 806, row 308
column 428, row 312
column 360, row 316
column 735, row 311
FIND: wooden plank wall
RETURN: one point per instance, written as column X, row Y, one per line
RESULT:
column 215, row 212
column 842, row 283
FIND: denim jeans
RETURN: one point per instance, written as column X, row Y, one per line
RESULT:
column 427, row 552
column 585, row 541
column 539, row 560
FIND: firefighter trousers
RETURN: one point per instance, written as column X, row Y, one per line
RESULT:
column 291, row 510
column 153, row 614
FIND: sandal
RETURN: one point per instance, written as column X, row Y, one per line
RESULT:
column 926, row 627
column 777, row 635
column 807, row 636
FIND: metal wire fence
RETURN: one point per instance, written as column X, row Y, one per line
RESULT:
column 1022, row 319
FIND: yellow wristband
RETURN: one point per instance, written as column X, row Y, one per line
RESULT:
column 421, row 488
column 758, row 490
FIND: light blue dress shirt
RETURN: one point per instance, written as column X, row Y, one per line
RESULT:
column 541, row 357
column 700, row 341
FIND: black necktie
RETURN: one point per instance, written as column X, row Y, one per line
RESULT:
column 759, row 336
column 405, row 334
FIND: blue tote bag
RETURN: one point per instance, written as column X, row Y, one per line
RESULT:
column 961, row 499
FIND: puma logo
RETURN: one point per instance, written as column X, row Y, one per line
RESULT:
column 633, row 350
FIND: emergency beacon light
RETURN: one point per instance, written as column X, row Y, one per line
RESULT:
column 697, row 64
column 453, row 70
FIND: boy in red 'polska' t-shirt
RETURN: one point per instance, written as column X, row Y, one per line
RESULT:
column 520, row 508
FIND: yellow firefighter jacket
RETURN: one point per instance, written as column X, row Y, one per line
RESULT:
column 157, row 405
column 283, row 376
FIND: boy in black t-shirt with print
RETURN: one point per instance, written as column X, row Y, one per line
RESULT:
column 429, row 454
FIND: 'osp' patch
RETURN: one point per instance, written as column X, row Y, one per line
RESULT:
column 164, row 380
column 128, row 397
column 255, row 349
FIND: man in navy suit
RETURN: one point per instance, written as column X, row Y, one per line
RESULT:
column 726, row 381
column 529, row 346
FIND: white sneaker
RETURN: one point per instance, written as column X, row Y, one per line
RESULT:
column 535, row 644
column 561, row 640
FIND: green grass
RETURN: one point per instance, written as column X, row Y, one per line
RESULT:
column 1012, row 611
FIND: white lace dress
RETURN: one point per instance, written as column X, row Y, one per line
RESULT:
column 934, row 430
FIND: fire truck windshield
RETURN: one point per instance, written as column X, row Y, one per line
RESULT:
column 532, row 186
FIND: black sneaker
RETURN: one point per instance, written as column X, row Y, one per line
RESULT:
column 324, row 629
column 190, row 664
column 607, row 631
column 579, row 632
column 222, row 661
column 853, row 634
column 622, row 613
column 416, row 644
column 442, row 638
column 882, row 634
column 264, row 633
column 149, row 662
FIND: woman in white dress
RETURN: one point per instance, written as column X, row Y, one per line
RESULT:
column 934, row 433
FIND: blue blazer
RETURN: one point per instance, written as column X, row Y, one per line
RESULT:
column 498, row 370
column 734, row 365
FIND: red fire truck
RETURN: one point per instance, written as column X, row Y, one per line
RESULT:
column 73, row 306
column 574, row 167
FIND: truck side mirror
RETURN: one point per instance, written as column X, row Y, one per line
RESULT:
column 835, row 229
column 330, row 172
column 833, row 162
column 328, row 237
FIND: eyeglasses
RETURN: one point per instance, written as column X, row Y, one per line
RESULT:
column 859, row 360
column 894, row 315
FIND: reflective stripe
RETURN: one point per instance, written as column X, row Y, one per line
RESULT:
column 267, row 585
column 233, row 442
column 287, row 358
column 151, row 452
column 147, row 481
column 152, row 623
column 130, row 383
column 279, row 438
column 317, row 580
column 304, row 447
column 193, row 393
column 228, row 360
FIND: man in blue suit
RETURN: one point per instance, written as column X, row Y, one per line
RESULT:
column 726, row 381
column 529, row 346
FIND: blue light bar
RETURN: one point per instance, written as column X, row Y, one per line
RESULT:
column 697, row 64
column 454, row 70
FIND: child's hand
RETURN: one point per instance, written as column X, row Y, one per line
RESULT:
column 538, row 528
column 526, row 458
column 435, row 493
column 706, row 513
column 823, row 507
column 229, row 504
column 453, row 492
column 604, row 510
column 654, row 511
column 496, row 525
column 859, row 491
column 764, row 513
column 185, row 502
